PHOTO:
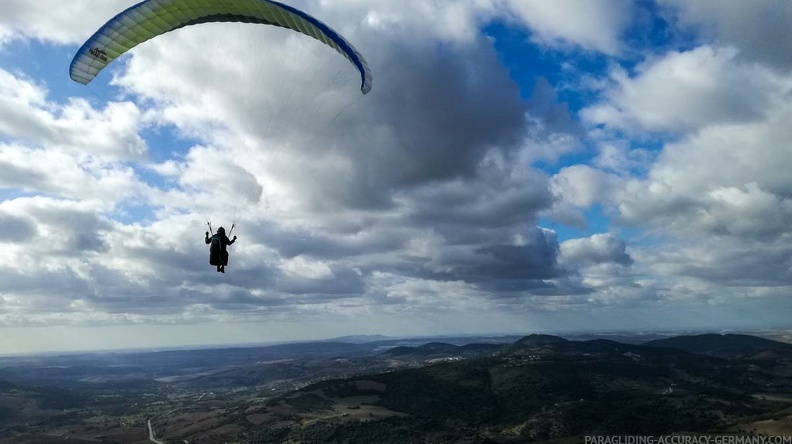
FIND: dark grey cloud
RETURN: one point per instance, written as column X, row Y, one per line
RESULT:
column 534, row 261
column 342, row 281
column 447, row 107
column 517, row 289
column 435, row 113
column 577, row 291
column 16, row 229
column 496, row 198
column 76, row 231
column 55, row 284
column 82, row 242
column 729, row 262
column 556, row 118
column 327, row 243
column 14, row 176
column 757, row 28
column 494, row 267
column 170, row 292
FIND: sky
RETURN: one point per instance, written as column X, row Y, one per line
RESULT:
column 519, row 166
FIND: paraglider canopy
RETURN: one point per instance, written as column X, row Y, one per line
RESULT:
column 151, row 18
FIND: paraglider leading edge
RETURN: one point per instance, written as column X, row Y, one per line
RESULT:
column 151, row 18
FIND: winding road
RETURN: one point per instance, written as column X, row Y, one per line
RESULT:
column 151, row 435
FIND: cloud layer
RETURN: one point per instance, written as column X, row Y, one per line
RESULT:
column 449, row 191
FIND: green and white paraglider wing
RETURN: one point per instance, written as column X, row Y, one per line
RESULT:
column 151, row 18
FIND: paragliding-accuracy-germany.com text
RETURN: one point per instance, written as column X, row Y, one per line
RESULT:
column 685, row 439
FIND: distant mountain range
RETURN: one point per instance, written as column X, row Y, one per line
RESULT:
column 360, row 339
column 442, row 349
column 353, row 390
column 540, row 387
column 726, row 345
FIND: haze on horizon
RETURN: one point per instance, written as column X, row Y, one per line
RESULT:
column 519, row 166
